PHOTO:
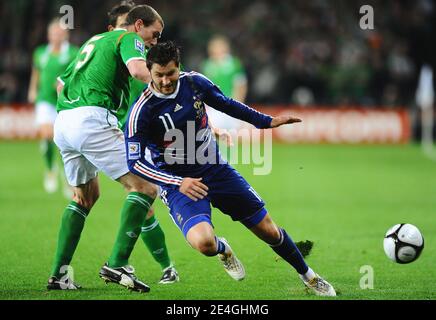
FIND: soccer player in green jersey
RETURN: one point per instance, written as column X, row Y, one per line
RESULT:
column 95, row 88
column 117, row 17
column 49, row 62
column 152, row 234
column 227, row 72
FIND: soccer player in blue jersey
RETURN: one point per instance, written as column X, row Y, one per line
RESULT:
column 172, row 107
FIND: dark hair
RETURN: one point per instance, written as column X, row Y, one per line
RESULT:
column 163, row 53
column 122, row 8
column 145, row 13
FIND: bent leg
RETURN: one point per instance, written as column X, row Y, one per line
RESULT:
column 141, row 195
column 73, row 221
column 281, row 243
column 202, row 238
column 154, row 239
column 193, row 218
column 45, row 115
column 48, row 151
column 48, row 147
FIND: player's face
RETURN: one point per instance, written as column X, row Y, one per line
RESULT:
column 56, row 35
column 121, row 19
column 218, row 49
column 149, row 34
column 165, row 78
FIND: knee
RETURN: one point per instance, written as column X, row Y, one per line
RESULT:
column 149, row 189
column 87, row 201
column 142, row 186
column 206, row 246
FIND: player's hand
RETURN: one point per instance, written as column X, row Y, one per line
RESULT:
column 193, row 188
column 223, row 135
column 285, row 119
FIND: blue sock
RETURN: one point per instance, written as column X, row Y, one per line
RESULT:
column 287, row 249
column 221, row 247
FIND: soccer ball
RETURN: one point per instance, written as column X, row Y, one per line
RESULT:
column 403, row 243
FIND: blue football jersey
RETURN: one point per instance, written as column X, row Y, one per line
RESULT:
column 176, row 131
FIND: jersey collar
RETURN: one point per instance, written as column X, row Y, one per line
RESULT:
column 64, row 48
column 164, row 96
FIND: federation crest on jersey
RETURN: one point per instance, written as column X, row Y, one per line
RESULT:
column 139, row 46
column 199, row 108
column 134, row 150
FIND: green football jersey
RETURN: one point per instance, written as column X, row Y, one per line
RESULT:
column 224, row 73
column 51, row 65
column 136, row 88
column 99, row 76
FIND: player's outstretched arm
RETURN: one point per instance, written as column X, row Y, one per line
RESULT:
column 284, row 119
column 214, row 97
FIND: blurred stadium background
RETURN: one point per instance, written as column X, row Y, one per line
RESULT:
column 286, row 45
column 353, row 88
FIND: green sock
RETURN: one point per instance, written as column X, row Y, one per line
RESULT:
column 133, row 215
column 48, row 150
column 154, row 238
column 72, row 225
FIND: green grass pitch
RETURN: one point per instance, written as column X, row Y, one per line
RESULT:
column 342, row 197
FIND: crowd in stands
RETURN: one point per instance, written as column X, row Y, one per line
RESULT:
column 294, row 52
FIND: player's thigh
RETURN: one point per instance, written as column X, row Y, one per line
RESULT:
column 78, row 169
column 93, row 131
column 234, row 196
column 45, row 116
column 105, row 149
column 185, row 212
column 134, row 183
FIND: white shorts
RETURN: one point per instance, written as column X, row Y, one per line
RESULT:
column 45, row 113
column 89, row 141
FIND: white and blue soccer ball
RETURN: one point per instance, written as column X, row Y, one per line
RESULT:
column 403, row 243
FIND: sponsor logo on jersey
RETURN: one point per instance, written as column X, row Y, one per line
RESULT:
column 198, row 104
column 178, row 107
column 139, row 46
column 199, row 108
column 134, row 150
